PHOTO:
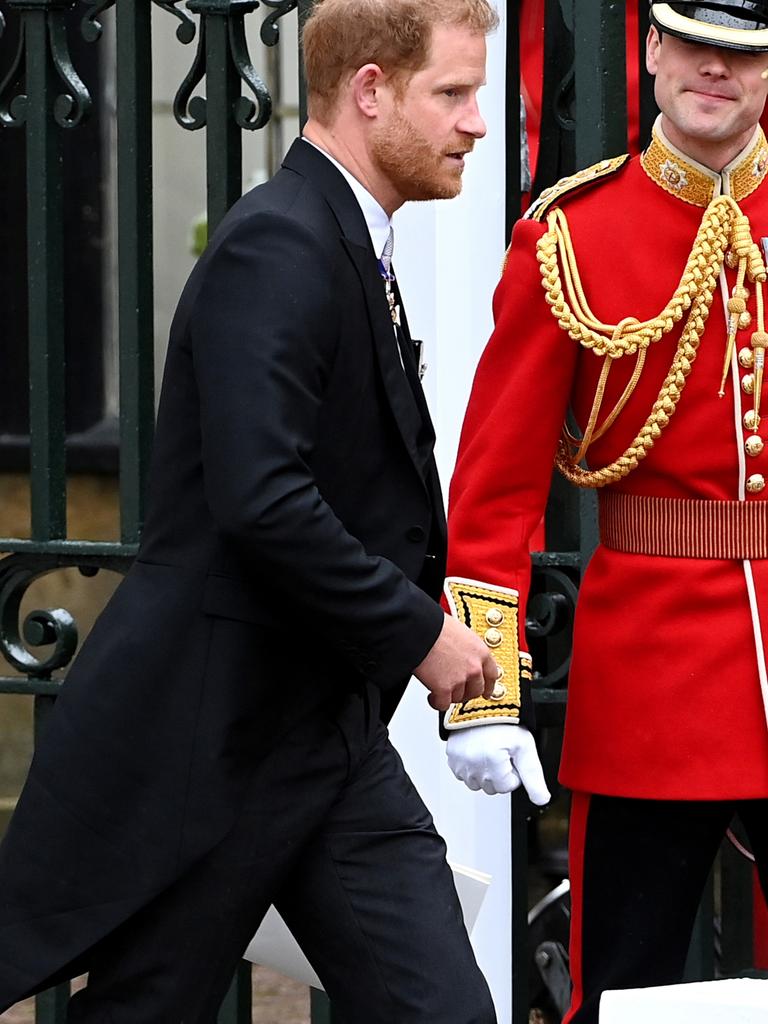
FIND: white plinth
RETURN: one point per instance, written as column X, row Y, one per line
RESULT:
column 737, row 1001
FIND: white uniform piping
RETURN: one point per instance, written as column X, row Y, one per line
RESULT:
column 747, row 565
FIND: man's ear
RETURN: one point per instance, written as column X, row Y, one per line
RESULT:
column 365, row 85
column 652, row 46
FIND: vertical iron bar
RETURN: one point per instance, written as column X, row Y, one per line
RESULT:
column 520, row 994
column 556, row 151
column 224, row 149
column 134, row 214
column 51, row 1006
column 513, row 126
column 305, row 7
column 45, row 288
column 237, row 1006
column 736, row 912
column 601, row 80
column 700, row 965
column 320, row 1008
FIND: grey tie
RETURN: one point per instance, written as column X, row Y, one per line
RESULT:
column 386, row 273
column 386, row 255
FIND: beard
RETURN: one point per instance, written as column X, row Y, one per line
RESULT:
column 412, row 165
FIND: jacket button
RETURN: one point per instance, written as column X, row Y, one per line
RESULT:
column 493, row 637
column 415, row 534
column 751, row 420
column 754, row 445
column 756, row 483
column 746, row 358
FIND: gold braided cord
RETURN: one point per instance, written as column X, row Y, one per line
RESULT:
column 722, row 225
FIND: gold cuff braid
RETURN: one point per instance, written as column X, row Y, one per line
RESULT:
column 492, row 613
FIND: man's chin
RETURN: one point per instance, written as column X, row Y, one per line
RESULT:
column 703, row 127
column 426, row 192
column 448, row 188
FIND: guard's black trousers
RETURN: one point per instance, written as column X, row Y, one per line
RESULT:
column 638, row 870
column 366, row 891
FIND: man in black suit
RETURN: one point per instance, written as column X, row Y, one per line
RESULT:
column 220, row 744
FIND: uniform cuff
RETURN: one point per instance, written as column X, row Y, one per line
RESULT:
column 492, row 613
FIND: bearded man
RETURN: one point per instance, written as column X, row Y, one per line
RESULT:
column 221, row 744
column 634, row 292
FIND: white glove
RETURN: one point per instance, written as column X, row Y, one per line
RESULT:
column 496, row 759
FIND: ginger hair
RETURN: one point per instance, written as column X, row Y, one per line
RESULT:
column 341, row 36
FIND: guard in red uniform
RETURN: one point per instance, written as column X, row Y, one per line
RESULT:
column 635, row 292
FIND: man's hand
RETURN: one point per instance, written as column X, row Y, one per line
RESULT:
column 496, row 759
column 458, row 668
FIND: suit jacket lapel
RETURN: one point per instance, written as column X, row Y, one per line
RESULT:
column 408, row 410
column 426, row 439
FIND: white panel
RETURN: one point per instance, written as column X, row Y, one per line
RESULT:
column 448, row 256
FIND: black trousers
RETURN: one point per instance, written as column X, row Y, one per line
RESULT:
column 345, row 848
column 638, row 870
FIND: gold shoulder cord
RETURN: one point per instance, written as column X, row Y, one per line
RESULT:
column 723, row 227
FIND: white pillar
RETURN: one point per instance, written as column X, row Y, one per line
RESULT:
column 448, row 258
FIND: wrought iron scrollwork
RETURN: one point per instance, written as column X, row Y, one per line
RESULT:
column 270, row 30
column 72, row 106
column 549, row 620
column 69, row 109
column 13, row 104
column 53, row 627
column 191, row 111
column 185, row 31
column 91, row 26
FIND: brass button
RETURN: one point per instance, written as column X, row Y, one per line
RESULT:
column 756, row 483
column 745, row 319
column 493, row 637
column 751, row 420
column 746, row 358
column 754, row 445
column 494, row 617
column 748, row 383
column 499, row 691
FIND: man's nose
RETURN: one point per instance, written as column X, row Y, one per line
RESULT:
column 472, row 122
column 712, row 63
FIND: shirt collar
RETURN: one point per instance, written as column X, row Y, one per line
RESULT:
column 379, row 223
column 684, row 177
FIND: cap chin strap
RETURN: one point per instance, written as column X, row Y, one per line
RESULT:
column 717, row 35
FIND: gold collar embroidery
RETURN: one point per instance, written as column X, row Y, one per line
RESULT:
column 696, row 184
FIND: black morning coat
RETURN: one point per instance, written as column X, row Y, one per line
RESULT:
column 295, row 523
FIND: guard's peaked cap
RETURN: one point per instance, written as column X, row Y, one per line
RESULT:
column 734, row 24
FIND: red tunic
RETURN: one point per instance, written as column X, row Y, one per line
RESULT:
column 667, row 687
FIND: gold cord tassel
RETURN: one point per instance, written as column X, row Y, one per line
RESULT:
column 759, row 344
column 759, row 338
column 736, row 306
